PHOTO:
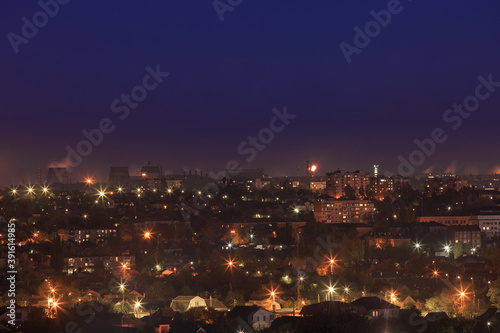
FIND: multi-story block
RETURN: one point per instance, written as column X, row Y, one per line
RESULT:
column 466, row 234
column 439, row 185
column 381, row 186
column 85, row 235
column 448, row 220
column 489, row 225
column 337, row 181
column 317, row 186
column 89, row 264
column 343, row 211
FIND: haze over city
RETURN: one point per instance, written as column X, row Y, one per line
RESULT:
column 226, row 77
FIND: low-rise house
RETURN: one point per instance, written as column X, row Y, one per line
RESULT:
column 436, row 316
column 184, row 303
column 252, row 318
column 375, row 307
column 329, row 308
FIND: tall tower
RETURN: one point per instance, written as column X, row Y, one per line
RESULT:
column 375, row 170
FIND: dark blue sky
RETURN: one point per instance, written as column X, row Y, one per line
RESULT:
column 226, row 77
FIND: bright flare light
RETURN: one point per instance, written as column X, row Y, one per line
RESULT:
column 230, row 264
column 313, row 168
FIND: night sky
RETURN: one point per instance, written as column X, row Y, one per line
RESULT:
column 227, row 76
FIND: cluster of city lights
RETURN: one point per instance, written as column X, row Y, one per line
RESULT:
column 30, row 190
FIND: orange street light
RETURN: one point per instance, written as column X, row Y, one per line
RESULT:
column 331, row 263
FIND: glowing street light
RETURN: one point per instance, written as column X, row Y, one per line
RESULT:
column 313, row 168
column 462, row 294
column 101, row 194
column 296, row 210
column 147, row 235
column 331, row 291
column 137, row 306
column 122, row 290
column 417, row 246
column 273, row 292
column 331, row 263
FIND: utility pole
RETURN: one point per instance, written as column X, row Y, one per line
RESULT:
column 298, row 271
